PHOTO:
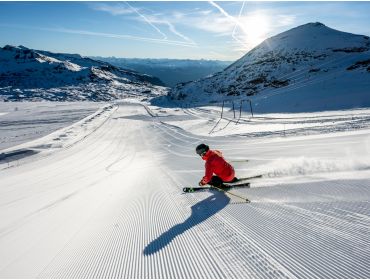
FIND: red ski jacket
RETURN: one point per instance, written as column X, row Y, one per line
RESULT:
column 216, row 164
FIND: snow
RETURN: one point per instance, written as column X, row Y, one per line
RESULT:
column 25, row 121
column 94, row 190
column 35, row 75
column 313, row 36
column 306, row 69
column 34, row 127
column 206, row 121
column 107, row 203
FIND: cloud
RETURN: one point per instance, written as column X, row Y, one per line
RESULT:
column 245, row 27
column 174, row 31
column 101, row 34
column 147, row 20
column 116, row 9
column 159, row 19
column 152, row 20
column 285, row 20
column 122, row 36
column 214, row 24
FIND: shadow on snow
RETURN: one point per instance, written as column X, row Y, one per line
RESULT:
column 199, row 213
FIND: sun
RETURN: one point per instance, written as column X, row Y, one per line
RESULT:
column 254, row 28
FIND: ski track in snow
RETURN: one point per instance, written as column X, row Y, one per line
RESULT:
column 111, row 206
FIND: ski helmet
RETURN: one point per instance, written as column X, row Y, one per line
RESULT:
column 202, row 149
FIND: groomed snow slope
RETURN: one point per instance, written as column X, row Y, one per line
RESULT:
column 21, row 122
column 111, row 206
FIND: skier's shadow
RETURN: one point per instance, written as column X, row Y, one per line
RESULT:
column 199, row 213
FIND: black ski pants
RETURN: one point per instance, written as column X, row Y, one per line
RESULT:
column 217, row 181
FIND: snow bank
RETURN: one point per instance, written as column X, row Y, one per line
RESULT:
column 58, row 140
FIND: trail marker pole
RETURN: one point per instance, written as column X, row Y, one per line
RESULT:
column 250, row 104
column 240, row 111
column 234, row 109
column 222, row 110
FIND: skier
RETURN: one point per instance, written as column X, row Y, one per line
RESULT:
column 215, row 164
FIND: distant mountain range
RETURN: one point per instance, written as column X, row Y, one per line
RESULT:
column 308, row 68
column 27, row 74
column 170, row 71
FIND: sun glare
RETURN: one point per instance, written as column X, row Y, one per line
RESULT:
column 255, row 28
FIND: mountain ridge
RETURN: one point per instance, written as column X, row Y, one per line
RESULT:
column 29, row 74
column 170, row 71
column 308, row 58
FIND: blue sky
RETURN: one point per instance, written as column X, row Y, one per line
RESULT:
column 172, row 29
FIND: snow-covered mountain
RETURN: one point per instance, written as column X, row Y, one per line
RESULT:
column 170, row 71
column 308, row 68
column 27, row 74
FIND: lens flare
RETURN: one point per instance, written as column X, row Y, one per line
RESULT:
column 255, row 28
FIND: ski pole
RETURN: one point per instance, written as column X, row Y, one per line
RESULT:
column 233, row 194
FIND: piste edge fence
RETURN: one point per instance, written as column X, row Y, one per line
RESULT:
column 233, row 108
column 229, row 110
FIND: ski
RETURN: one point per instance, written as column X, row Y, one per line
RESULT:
column 249, row 178
column 239, row 160
column 236, row 185
column 228, row 186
